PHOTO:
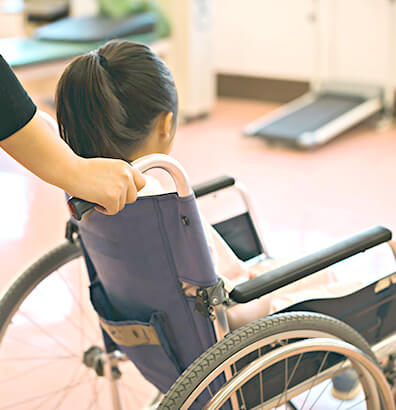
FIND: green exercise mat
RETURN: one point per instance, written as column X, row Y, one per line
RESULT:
column 97, row 28
column 19, row 52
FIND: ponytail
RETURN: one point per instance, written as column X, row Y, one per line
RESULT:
column 107, row 100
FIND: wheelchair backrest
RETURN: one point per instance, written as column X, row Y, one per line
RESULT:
column 136, row 260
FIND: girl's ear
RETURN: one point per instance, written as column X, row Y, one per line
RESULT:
column 167, row 125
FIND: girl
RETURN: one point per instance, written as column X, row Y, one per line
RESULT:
column 121, row 102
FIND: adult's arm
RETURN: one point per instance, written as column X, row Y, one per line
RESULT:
column 110, row 183
column 28, row 137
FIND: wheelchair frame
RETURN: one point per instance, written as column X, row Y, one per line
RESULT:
column 216, row 298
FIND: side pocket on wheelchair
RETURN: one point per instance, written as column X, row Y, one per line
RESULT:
column 148, row 344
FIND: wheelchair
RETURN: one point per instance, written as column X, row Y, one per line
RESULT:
column 133, row 264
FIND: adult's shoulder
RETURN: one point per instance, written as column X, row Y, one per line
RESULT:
column 4, row 65
column 16, row 107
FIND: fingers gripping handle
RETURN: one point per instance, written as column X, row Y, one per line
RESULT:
column 78, row 207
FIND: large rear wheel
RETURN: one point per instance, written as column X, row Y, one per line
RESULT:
column 279, row 362
column 51, row 346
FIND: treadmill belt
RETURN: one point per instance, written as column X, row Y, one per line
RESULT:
column 310, row 117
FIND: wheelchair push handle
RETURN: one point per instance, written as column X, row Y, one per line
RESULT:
column 213, row 185
column 301, row 268
column 78, row 207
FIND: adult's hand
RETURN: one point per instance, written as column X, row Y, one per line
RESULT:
column 110, row 183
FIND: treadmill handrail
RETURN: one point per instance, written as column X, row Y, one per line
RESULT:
column 301, row 268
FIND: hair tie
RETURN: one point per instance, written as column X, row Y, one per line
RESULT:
column 103, row 61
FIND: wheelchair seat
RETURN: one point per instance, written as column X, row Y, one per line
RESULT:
column 369, row 313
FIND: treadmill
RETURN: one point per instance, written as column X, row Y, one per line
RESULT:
column 328, row 109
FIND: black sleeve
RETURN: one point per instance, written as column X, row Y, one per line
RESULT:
column 16, row 107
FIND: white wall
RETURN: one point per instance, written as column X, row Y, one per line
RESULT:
column 274, row 38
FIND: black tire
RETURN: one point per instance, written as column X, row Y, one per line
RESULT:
column 249, row 334
column 31, row 277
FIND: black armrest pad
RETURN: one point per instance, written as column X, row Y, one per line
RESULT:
column 213, row 185
column 303, row 267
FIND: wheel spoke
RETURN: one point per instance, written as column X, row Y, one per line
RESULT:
column 261, row 383
column 127, row 399
column 288, row 380
column 94, row 399
column 24, row 342
column 320, row 395
column 67, row 391
column 80, row 330
column 48, row 394
column 326, row 386
column 314, row 380
column 131, row 391
column 210, row 391
column 38, row 358
column 42, row 403
column 239, row 391
column 76, row 299
column 24, row 372
column 54, row 339
column 356, row 404
column 82, row 334
column 286, row 373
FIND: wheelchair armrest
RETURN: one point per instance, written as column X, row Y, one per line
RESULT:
column 277, row 278
column 213, row 185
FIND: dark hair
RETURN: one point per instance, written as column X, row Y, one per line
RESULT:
column 107, row 100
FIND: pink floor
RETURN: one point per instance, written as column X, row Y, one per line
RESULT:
column 305, row 200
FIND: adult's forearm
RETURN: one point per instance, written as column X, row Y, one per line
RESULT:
column 38, row 148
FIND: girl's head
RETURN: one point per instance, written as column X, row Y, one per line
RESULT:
column 119, row 102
